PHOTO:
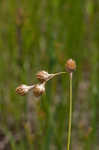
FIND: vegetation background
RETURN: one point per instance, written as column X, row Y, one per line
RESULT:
column 42, row 35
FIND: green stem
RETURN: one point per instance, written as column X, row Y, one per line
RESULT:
column 70, row 114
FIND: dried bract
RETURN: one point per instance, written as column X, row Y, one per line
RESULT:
column 70, row 65
column 23, row 89
column 39, row 89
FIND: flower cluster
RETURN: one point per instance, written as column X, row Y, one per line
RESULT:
column 43, row 77
column 37, row 89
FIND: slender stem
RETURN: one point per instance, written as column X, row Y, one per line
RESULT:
column 70, row 114
column 55, row 74
column 59, row 73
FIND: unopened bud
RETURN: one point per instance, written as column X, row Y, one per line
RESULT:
column 23, row 89
column 39, row 89
column 70, row 66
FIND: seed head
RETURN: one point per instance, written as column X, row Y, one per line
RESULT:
column 23, row 89
column 39, row 89
column 43, row 76
column 70, row 65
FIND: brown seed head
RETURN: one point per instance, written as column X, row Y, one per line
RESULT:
column 23, row 89
column 70, row 65
column 39, row 89
column 43, row 76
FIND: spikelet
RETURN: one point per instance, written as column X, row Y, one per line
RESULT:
column 70, row 65
column 23, row 89
column 39, row 89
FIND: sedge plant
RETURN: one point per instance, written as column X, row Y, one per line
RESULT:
column 39, row 89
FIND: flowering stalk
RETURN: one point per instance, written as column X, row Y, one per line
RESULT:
column 70, row 68
column 70, row 114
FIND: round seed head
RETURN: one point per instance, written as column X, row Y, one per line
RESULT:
column 70, row 65
column 42, row 76
column 23, row 89
column 39, row 89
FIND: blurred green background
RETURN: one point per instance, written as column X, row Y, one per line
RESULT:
column 42, row 35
